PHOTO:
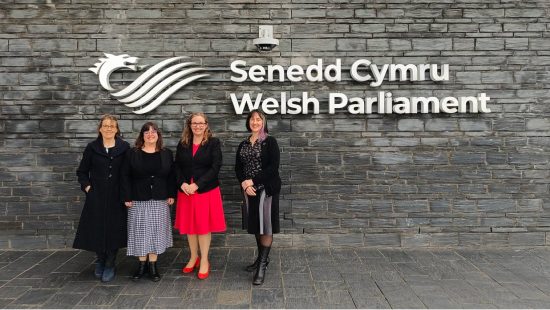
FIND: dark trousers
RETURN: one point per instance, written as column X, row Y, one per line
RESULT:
column 107, row 258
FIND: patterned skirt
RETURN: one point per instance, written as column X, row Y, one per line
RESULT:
column 149, row 227
column 261, row 213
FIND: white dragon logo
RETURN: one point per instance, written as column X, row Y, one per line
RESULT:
column 149, row 85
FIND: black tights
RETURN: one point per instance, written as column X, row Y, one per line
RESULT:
column 264, row 240
column 107, row 258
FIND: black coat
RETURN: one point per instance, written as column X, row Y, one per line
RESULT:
column 204, row 167
column 103, row 222
column 269, row 175
column 138, row 185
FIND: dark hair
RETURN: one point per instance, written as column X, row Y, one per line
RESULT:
column 187, row 134
column 264, row 131
column 111, row 118
column 140, row 140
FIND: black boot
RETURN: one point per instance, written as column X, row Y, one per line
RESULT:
column 259, row 277
column 153, row 272
column 141, row 271
column 254, row 266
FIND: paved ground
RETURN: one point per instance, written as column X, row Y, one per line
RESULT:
column 297, row 278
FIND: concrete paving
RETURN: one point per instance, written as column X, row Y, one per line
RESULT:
column 297, row 278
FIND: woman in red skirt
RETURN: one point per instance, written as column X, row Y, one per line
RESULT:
column 199, row 210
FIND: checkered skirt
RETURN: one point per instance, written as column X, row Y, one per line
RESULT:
column 149, row 227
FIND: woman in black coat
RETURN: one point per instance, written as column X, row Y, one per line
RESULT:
column 102, row 226
column 147, row 189
column 257, row 168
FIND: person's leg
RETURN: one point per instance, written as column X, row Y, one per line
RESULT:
column 204, row 243
column 254, row 265
column 98, row 272
column 153, row 257
column 109, row 271
column 153, row 268
column 142, row 269
column 194, row 248
column 265, row 247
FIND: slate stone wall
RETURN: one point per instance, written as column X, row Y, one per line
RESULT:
column 434, row 180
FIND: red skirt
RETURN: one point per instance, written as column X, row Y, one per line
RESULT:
column 199, row 214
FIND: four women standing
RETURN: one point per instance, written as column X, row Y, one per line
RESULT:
column 148, row 181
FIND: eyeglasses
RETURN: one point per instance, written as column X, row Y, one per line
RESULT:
column 109, row 126
column 198, row 124
column 152, row 132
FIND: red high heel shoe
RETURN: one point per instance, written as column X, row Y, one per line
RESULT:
column 188, row 270
column 203, row 276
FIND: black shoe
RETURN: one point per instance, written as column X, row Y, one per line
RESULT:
column 254, row 267
column 153, row 272
column 141, row 271
column 259, row 277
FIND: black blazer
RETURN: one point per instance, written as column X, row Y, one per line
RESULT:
column 204, row 167
column 269, row 175
column 138, row 185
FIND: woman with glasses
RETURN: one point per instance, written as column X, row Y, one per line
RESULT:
column 148, row 187
column 199, row 211
column 257, row 168
column 102, row 226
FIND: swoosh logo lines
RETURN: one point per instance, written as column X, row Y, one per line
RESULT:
column 156, row 84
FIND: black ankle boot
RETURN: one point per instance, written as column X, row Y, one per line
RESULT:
column 153, row 272
column 254, row 266
column 259, row 277
column 140, row 272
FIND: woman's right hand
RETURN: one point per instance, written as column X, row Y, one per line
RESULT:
column 128, row 203
column 185, row 188
column 87, row 189
column 250, row 191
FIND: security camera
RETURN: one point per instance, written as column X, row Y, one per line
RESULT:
column 265, row 42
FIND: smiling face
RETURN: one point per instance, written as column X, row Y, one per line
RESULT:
column 256, row 123
column 198, row 125
column 150, row 136
column 108, row 129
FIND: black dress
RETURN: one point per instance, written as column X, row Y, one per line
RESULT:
column 102, row 225
column 260, row 162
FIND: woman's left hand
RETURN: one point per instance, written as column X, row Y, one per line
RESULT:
column 192, row 188
column 246, row 183
column 170, row 201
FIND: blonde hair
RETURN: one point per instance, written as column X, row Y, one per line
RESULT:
column 110, row 118
column 187, row 135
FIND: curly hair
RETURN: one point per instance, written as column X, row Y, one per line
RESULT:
column 140, row 140
column 187, row 135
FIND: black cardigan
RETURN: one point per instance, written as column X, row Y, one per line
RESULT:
column 204, row 167
column 269, row 175
column 138, row 185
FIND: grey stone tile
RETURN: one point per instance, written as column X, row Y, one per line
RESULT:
column 130, row 302
column 4, row 302
column 202, row 294
column 318, row 255
column 462, row 292
column 78, row 287
column 10, row 256
column 478, row 306
column 267, row 298
column 199, row 304
column 334, row 297
column 386, row 276
column 397, row 256
column 9, row 274
column 171, row 287
column 23, row 282
column 101, row 295
column 144, row 286
column 371, row 303
column 237, row 284
column 325, row 274
column 233, row 298
column 35, row 297
column 13, row 291
column 439, row 302
column 302, row 303
column 409, row 269
column 165, row 303
column 331, row 285
column 299, row 292
column 368, row 253
column 297, row 280
column 55, row 280
column 525, row 291
column 63, row 301
column 399, row 294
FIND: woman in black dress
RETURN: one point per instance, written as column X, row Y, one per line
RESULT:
column 148, row 187
column 102, row 226
column 257, row 168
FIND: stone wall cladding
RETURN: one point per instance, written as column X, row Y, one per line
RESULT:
column 434, row 180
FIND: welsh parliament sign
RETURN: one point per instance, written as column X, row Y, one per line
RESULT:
column 160, row 81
